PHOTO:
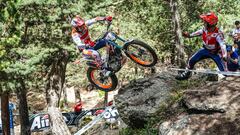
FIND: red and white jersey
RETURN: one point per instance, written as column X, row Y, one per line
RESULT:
column 212, row 41
column 82, row 38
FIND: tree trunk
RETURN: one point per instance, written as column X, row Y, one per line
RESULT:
column 23, row 108
column 172, row 59
column 177, row 33
column 54, row 88
column 5, row 113
column 77, row 94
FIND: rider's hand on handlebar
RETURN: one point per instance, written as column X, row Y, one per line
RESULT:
column 108, row 18
column 186, row 34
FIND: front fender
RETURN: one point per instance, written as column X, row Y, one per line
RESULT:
column 127, row 43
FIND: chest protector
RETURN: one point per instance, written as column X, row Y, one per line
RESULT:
column 210, row 40
column 84, row 36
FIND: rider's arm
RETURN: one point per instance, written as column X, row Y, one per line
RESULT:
column 197, row 33
column 77, row 40
column 220, row 40
column 94, row 20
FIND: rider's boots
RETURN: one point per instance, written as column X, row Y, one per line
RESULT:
column 184, row 75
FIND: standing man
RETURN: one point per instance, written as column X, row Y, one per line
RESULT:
column 213, row 45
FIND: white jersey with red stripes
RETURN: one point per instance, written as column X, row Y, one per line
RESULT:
column 82, row 38
column 212, row 41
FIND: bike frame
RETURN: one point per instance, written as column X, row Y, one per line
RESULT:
column 113, row 43
column 117, row 38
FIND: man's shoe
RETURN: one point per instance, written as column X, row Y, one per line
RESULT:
column 183, row 76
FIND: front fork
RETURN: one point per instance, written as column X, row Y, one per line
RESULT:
column 105, row 58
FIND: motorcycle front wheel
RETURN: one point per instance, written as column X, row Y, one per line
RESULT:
column 105, row 83
column 141, row 53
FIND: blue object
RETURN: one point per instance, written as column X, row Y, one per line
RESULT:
column 100, row 44
column 229, row 48
column 203, row 54
column 233, row 66
column 11, row 108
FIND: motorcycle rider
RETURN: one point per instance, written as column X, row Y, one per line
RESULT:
column 84, row 44
column 213, row 44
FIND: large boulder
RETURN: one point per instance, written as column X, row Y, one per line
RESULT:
column 212, row 109
column 141, row 99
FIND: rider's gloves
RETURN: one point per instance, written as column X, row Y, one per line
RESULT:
column 186, row 34
column 108, row 18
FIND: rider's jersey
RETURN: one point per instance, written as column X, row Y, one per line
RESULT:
column 82, row 38
column 212, row 41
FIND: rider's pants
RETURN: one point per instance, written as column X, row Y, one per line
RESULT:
column 92, row 53
column 203, row 54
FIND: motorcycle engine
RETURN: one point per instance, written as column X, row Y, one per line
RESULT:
column 114, row 62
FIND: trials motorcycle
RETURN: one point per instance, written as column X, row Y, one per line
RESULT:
column 138, row 51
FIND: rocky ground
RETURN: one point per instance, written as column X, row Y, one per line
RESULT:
column 212, row 109
column 194, row 107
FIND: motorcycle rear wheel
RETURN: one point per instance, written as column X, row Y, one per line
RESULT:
column 106, row 84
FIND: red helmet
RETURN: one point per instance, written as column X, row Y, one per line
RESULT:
column 210, row 18
column 77, row 22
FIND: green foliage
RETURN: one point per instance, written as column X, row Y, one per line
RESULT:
column 33, row 31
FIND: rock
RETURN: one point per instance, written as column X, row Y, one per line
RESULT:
column 140, row 100
column 212, row 109
column 201, row 124
column 223, row 96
